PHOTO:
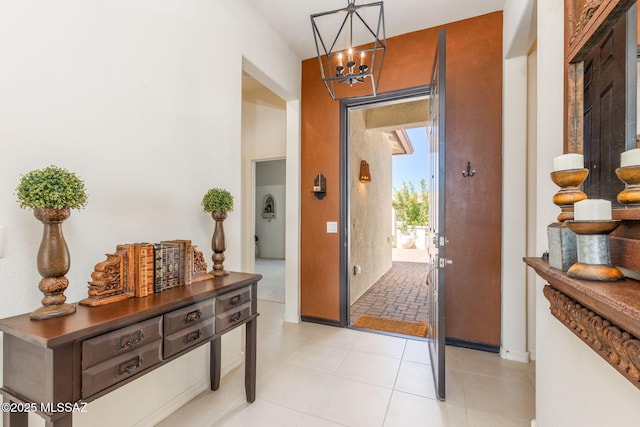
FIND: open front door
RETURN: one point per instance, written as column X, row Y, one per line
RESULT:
column 437, row 260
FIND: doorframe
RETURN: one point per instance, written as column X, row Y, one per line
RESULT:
column 345, row 173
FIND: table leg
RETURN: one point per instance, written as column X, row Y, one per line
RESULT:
column 250, row 360
column 65, row 421
column 215, row 354
column 14, row 419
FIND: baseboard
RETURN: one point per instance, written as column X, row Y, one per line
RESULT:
column 183, row 398
column 328, row 322
column 534, row 423
column 473, row 345
column 516, row 356
column 174, row 404
column 291, row 318
column 532, row 354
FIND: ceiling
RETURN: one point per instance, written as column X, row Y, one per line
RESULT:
column 291, row 18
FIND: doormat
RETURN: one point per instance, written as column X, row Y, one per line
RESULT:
column 417, row 329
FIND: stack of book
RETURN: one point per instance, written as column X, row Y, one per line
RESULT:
column 142, row 269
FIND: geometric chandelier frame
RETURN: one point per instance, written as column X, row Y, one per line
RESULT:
column 351, row 51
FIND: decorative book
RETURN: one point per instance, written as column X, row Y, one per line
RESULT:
column 141, row 269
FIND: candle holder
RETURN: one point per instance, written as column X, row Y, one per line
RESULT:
column 594, row 254
column 630, row 175
column 569, row 182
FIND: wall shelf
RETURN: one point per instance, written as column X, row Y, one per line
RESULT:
column 605, row 315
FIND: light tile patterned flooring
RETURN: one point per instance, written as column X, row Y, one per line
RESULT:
column 313, row 375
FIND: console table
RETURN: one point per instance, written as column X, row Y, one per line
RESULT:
column 52, row 366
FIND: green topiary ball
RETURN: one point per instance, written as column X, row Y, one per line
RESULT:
column 217, row 200
column 51, row 187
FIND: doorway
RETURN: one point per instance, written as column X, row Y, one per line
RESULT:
column 386, row 258
column 270, row 226
column 264, row 148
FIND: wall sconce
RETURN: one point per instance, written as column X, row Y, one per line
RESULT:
column 365, row 173
column 319, row 186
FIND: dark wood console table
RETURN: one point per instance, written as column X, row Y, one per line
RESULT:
column 54, row 366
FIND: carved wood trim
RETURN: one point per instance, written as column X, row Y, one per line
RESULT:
column 615, row 345
column 587, row 21
column 575, row 107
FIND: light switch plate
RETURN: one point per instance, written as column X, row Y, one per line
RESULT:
column 332, row 227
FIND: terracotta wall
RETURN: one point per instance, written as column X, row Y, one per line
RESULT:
column 474, row 128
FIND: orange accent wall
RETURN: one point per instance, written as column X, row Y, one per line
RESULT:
column 474, row 118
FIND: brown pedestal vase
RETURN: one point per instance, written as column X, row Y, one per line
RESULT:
column 53, row 264
column 218, row 244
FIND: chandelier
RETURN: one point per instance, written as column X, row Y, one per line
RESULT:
column 350, row 50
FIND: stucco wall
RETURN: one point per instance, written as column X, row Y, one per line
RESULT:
column 370, row 206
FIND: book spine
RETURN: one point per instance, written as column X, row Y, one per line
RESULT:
column 129, row 270
column 157, row 267
column 149, row 269
column 183, row 274
column 145, row 269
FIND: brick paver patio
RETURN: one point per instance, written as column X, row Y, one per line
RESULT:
column 400, row 294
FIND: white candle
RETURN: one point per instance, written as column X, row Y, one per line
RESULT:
column 592, row 210
column 568, row 161
column 630, row 158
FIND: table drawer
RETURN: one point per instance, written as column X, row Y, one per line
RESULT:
column 230, row 318
column 187, row 316
column 112, row 371
column 233, row 299
column 121, row 341
column 188, row 337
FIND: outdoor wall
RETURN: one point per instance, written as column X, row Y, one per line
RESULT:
column 133, row 97
column 574, row 386
column 370, row 208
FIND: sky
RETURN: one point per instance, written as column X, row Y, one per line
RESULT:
column 411, row 168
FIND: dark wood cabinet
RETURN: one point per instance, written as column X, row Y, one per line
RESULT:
column 68, row 361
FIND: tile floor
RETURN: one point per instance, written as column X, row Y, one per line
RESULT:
column 312, row 375
column 271, row 287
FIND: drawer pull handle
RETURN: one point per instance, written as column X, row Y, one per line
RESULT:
column 130, row 341
column 125, row 368
column 193, row 316
column 192, row 336
column 236, row 300
column 235, row 317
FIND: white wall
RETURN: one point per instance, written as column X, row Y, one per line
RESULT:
column 264, row 128
column 517, row 39
column 532, row 123
column 574, row 386
column 142, row 100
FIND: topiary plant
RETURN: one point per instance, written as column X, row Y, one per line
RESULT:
column 51, row 187
column 217, row 200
